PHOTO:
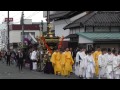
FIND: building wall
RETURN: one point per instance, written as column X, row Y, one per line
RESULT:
column 27, row 21
column 59, row 25
column 96, row 29
column 15, row 35
column 76, row 30
column 83, row 40
column 82, row 29
column 101, row 29
column 115, row 29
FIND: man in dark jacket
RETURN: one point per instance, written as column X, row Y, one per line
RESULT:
column 20, row 60
column 8, row 55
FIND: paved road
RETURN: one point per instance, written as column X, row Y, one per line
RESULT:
column 12, row 72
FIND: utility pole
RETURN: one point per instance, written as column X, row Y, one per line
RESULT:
column 48, row 22
column 22, row 23
column 8, row 31
column 42, row 27
column 41, row 49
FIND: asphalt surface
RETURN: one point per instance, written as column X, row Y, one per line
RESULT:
column 12, row 72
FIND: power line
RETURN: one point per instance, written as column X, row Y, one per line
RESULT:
column 32, row 14
column 16, row 14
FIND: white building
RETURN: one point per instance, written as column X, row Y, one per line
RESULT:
column 16, row 32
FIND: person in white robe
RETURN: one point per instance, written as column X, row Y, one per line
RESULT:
column 34, row 59
column 84, row 68
column 109, row 68
column 119, row 62
column 84, row 53
column 77, row 63
column 89, row 65
column 81, row 68
column 116, row 66
column 102, row 64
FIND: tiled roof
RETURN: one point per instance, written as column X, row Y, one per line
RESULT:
column 97, row 18
column 100, row 36
column 58, row 14
column 79, row 22
column 104, row 18
column 63, row 14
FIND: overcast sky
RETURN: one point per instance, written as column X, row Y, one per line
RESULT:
column 36, row 16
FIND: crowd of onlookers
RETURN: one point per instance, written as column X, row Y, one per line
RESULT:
column 18, row 57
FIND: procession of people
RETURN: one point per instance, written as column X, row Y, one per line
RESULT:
column 102, row 64
column 85, row 64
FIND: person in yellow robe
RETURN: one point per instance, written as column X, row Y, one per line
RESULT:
column 55, row 59
column 67, row 62
column 95, row 55
column 62, row 62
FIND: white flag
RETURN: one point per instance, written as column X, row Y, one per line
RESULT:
column 32, row 37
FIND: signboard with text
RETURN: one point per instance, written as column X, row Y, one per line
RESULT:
column 10, row 19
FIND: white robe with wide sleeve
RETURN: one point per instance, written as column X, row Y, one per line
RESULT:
column 109, row 62
column 77, row 64
column 90, row 66
column 81, row 68
column 102, row 64
column 116, row 62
